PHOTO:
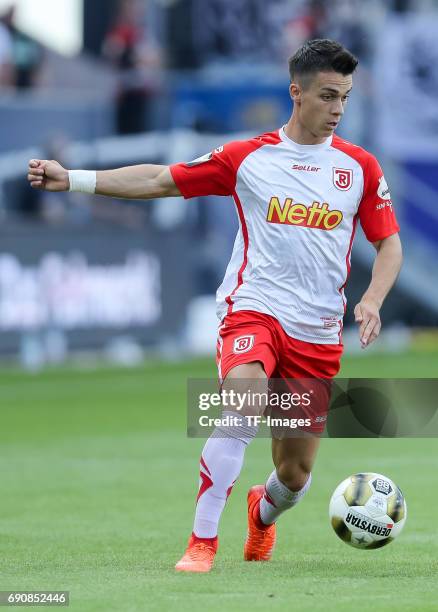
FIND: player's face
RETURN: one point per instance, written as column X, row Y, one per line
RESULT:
column 320, row 103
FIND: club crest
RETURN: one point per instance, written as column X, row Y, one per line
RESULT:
column 243, row 344
column 342, row 178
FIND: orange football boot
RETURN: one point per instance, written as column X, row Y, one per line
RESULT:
column 199, row 555
column 260, row 539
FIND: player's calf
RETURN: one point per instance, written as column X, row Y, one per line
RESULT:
column 292, row 474
column 277, row 497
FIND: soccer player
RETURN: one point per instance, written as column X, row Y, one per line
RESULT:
column 299, row 193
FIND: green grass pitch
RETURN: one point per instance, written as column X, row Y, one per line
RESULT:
column 98, row 482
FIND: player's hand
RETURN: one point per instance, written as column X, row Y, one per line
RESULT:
column 48, row 175
column 366, row 313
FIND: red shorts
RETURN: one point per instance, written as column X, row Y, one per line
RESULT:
column 246, row 336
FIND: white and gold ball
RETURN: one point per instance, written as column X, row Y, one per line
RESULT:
column 367, row 510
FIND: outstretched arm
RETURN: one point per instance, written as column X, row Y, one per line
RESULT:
column 385, row 271
column 133, row 182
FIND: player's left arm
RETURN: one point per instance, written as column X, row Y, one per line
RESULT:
column 386, row 268
column 379, row 223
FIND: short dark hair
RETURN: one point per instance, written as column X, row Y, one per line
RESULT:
column 321, row 55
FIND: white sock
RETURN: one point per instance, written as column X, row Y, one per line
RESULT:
column 220, row 466
column 278, row 498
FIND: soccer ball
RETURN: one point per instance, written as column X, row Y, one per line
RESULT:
column 367, row 510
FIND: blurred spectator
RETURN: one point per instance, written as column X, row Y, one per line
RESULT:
column 340, row 20
column 304, row 23
column 128, row 47
column 345, row 24
column 183, row 49
column 6, row 66
column 26, row 53
column 401, row 6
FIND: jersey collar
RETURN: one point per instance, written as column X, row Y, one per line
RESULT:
column 302, row 147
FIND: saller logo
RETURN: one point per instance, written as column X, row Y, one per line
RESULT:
column 305, row 168
column 317, row 216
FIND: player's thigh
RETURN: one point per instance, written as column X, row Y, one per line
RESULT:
column 247, row 356
column 247, row 388
column 294, row 458
column 246, row 339
column 251, row 370
column 308, row 369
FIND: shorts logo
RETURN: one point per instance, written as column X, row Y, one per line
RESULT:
column 342, row 178
column 243, row 344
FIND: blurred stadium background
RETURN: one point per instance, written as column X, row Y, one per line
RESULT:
column 97, row 474
column 104, row 83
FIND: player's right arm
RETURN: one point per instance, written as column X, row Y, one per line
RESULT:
column 143, row 181
column 211, row 174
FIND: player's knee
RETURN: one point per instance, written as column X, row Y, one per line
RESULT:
column 242, row 429
column 293, row 475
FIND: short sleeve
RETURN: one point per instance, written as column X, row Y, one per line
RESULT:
column 214, row 173
column 376, row 212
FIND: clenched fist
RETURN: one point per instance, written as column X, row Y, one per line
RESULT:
column 48, row 175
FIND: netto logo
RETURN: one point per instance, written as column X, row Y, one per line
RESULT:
column 317, row 216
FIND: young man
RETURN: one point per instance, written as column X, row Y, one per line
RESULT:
column 299, row 192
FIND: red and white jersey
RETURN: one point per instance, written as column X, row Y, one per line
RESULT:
column 298, row 206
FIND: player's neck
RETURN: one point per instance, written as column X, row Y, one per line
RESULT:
column 300, row 134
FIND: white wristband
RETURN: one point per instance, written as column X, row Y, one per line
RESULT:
column 82, row 180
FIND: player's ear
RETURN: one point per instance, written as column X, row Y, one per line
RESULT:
column 295, row 92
